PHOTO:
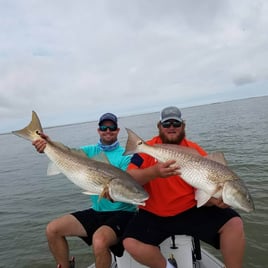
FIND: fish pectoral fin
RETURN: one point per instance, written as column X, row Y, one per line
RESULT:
column 201, row 197
column 52, row 169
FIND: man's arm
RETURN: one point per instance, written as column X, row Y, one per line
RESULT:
column 216, row 202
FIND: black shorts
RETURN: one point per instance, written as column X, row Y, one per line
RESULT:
column 203, row 223
column 92, row 220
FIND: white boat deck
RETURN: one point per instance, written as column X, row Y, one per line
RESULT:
column 183, row 253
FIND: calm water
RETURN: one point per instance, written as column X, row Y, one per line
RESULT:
column 29, row 199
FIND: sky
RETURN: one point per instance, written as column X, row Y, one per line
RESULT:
column 71, row 61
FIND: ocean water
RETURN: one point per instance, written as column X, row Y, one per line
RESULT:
column 29, row 199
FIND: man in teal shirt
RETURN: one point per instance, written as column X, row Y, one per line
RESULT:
column 103, row 224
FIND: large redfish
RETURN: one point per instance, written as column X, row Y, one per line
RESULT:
column 208, row 175
column 94, row 177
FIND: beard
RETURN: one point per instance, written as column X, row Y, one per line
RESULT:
column 176, row 140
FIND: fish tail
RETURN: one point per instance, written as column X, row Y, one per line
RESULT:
column 30, row 132
column 132, row 142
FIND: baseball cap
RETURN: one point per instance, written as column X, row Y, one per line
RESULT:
column 108, row 117
column 171, row 112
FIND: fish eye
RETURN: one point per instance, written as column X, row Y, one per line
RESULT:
column 139, row 142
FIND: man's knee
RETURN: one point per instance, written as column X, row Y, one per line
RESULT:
column 103, row 239
column 235, row 224
column 129, row 244
column 51, row 229
column 98, row 241
column 233, row 228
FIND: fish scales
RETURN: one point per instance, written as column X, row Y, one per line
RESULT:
column 80, row 169
column 94, row 177
column 210, row 178
column 198, row 170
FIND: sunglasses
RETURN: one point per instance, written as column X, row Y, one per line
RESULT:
column 167, row 124
column 111, row 128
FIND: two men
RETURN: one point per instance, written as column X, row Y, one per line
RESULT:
column 170, row 209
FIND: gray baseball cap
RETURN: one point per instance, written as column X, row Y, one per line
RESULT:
column 171, row 112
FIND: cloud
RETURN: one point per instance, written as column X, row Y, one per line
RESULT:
column 72, row 61
column 243, row 80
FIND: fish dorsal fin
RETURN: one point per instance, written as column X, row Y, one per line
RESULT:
column 178, row 148
column 217, row 157
column 101, row 157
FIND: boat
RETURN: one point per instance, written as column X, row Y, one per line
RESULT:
column 186, row 250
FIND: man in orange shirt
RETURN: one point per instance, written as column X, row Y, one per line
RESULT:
column 171, row 208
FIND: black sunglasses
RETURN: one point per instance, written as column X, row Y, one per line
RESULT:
column 111, row 128
column 167, row 124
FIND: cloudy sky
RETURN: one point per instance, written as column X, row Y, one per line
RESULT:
column 71, row 61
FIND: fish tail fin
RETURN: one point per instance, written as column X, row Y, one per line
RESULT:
column 30, row 132
column 132, row 142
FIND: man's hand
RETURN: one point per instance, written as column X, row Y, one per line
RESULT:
column 159, row 170
column 107, row 196
column 167, row 169
column 216, row 202
column 41, row 143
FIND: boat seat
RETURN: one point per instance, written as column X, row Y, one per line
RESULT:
column 185, row 249
column 196, row 250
